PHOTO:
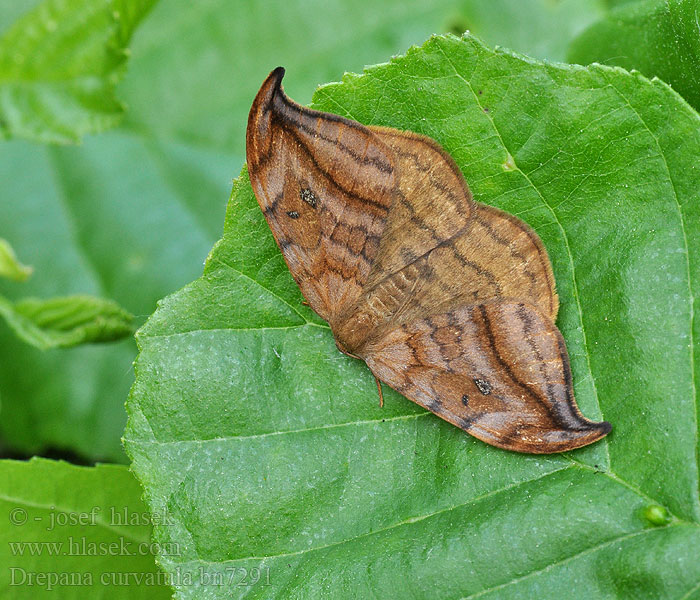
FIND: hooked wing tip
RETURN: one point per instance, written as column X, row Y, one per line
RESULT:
column 541, row 441
column 599, row 428
column 258, row 130
column 273, row 82
column 271, row 87
column 561, row 441
column 604, row 427
column 275, row 77
column 589, row 432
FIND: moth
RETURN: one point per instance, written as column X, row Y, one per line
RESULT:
column 450, row 302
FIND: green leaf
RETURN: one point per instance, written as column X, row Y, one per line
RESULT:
column 657, row 37
column 75, row 532
column 132, row 213
column 59, row 66
column 10, row 267
column 266, row 445
column 66, row 322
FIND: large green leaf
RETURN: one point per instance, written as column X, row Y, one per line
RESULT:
column 75, row 532
column 131, row 214
column 657, row 37
column 266, row 445
column 59, row 65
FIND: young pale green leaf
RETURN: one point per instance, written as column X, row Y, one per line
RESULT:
column 75, row 532
column 59, row 66
column 66, row 322
column 657, row 37
column 266, row 445
column 10, row 267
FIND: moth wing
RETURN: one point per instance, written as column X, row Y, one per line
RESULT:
column 435, row 223
column 497, row 256
column 498, row 370
column 325, row 185
column 514, row 256
column 433, row 203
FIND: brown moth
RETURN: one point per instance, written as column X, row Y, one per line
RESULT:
column 448, row 301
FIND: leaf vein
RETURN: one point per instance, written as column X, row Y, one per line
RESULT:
column 229, row 438
column 407, row 521
column 563, row 561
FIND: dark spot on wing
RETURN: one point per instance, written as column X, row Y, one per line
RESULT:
column 309, row 197
column 483, row 386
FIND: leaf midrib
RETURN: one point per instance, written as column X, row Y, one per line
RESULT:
column 609, row 473
column 579, row 308
column 568, row 559
column 408, row 521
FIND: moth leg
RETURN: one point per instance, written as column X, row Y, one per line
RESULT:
column 379, row 389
